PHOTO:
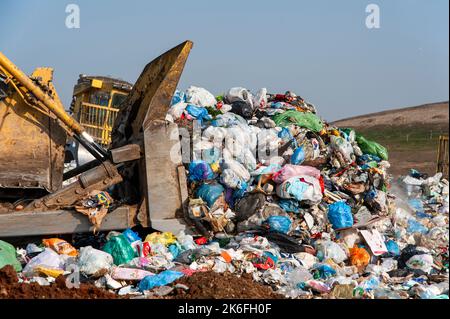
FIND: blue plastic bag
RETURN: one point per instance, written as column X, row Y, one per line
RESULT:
column 178, row 97
column 415, row 227
column 416, row 204
column 289, row 205
column 164, row 278
column 131, row 236
column 392, row 248
column 323, row 271
column 210, row 193
column 340, row 215
column 298, row 157
column 200, row 113
column 280, row 224
column 286, row 136
column 212, row 155
column 174, row 250
column 199, row 171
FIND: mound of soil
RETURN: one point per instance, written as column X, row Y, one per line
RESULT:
column 11, row 289
column 211, row 285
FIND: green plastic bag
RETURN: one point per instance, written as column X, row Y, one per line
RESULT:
column 8, row 256
column 308, row 120
column 120, row 249
column 371, row 147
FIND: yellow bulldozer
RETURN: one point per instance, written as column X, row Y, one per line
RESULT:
column 95, row 105
column 123, row 129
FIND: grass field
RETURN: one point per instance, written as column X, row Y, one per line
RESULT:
column 409, row 146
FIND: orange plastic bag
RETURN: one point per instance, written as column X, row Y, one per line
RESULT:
column 359, row 257
column 60, row 246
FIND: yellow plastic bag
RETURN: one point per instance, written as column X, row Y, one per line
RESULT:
column 165, row 238
column 359, row 257
column 55, row 273
column 60, row 246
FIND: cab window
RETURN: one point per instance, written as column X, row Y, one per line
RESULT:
column 99, row 98
column 117, row 100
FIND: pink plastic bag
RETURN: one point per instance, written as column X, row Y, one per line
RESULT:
column 290, row 170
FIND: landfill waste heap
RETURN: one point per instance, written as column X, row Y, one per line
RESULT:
column 276, row 193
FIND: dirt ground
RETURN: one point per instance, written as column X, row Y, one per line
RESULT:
column 11, row 289
column 204, row 285
column 211, row 285
column 403, row 161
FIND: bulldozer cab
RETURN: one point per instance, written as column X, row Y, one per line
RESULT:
column 95, row 104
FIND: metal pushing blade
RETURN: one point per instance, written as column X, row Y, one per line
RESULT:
column 151, row 95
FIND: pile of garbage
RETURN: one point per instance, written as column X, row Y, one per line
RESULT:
column 278, row 194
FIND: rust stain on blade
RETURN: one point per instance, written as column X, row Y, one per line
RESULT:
column 151, row 95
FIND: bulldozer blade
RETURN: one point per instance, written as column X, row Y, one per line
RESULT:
column 151, row 94
column 161, row 176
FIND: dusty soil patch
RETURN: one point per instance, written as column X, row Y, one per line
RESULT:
column 11, row 289
column 211, row 285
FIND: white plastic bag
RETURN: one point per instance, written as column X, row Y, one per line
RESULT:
column 47, row 259
column 200, row 96
column 260, row 99
column 92, row 261
column 423, row 262
column 239, row 94
column 330, row 249
column 341, row 145
column 177, row 110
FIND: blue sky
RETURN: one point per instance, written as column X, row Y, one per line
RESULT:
column 321, row 49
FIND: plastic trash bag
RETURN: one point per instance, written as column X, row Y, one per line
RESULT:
column 176, row 111
column 280, row 224
column 340, row 215
column 329, row 249
column 416, row 204
column 298, row 275
column 197, row 112
column 131, row 236
column 239, row 94
column 8, row 256
column 94, row 262
column 260, row 99
column 165, row 238
column 359, row 257
column 416, row 227
column 371, row 147
column 200, row 96
column 242, row 108
column 370, row 283
column 300, row 188
column 199, row 171
column 120, row 273
column 392, row 248
column 60, row 246
column 178, row 97
column 249, row 205
column 341, row 145
column 323, row 271
column 232, row 180
column 289, row 205
column 120, row 249
column 186, row 241
column 163, row 278
column 47, row 259
column 423, row 262
column 289, row 171
column 298, row 156
column 210, row 193
column 307, row 120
